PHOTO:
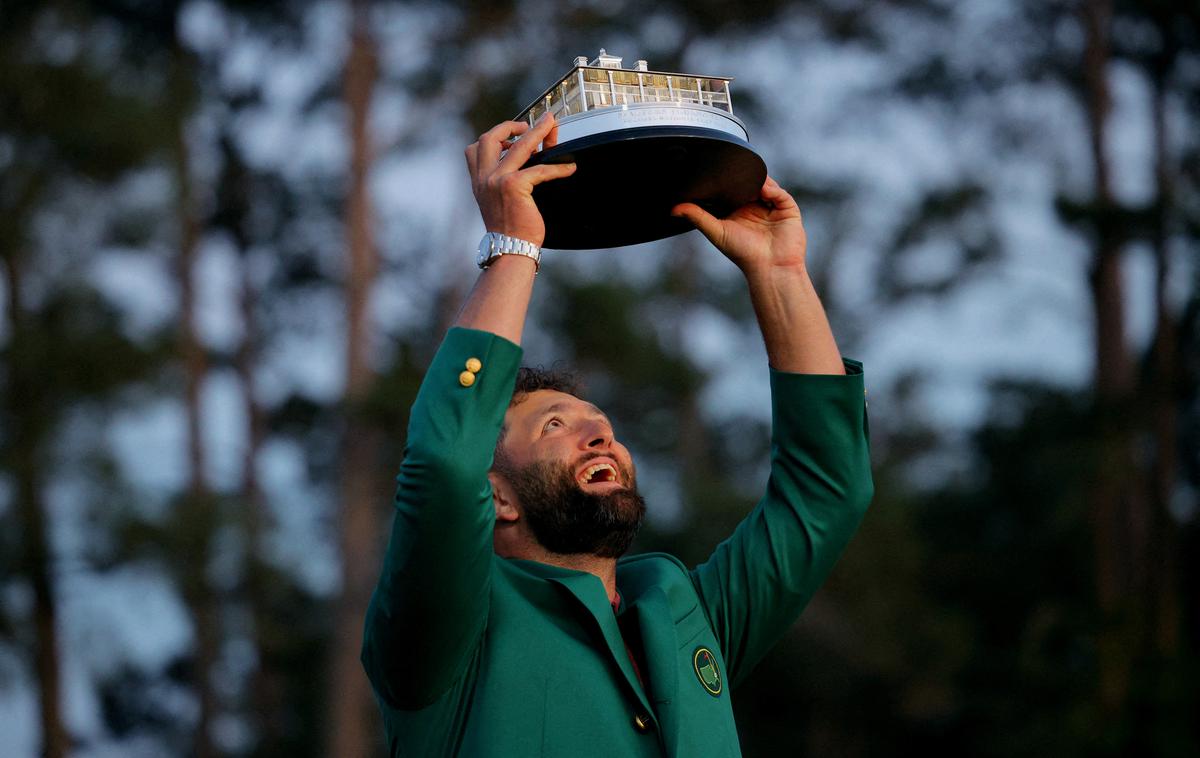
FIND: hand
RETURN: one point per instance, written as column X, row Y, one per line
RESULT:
column 765, row 233
column 503, row 190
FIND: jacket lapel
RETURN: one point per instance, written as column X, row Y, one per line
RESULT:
column 653, row 613
column 589, row 591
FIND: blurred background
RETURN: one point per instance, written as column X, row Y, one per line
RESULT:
column 233, row 234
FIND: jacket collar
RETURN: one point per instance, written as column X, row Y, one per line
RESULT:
column 651, row 610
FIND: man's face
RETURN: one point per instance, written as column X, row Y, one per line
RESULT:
column 575, row 485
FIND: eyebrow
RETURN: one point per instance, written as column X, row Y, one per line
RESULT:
column 561, row 407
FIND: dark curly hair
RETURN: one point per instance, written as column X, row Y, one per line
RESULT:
column 531, row 379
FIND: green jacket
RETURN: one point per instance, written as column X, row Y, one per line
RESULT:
column 474, row 655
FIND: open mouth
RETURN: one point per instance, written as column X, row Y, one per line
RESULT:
column 597, row 473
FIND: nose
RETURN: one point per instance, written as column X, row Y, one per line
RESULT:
column 598, row 436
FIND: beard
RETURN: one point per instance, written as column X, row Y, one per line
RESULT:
column 567, row 520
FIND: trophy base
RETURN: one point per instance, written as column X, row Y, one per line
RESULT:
column 626, row 182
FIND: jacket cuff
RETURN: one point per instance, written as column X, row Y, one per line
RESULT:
column 809, row 407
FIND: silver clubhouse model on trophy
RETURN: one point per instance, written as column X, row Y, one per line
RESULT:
column 642, row 141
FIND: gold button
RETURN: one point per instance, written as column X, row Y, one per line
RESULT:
column 473, row 365
column 641, row 722
column 466, row 378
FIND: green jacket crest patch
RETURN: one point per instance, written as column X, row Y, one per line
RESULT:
column 707, row 671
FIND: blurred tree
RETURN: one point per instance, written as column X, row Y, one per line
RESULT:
column 1127, row 432
column 1134, row 531
column 152, row 38
column 352, row 729
column 185, row 84
column 61, row 122
column 254, row 207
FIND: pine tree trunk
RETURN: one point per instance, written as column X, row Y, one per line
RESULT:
column 352, row 725
column 198, row 499
column 1117, row 502
column 1165, row 360
column 37, row 560
column 264, row 690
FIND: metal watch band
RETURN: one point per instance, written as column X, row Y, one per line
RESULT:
column 493, row 245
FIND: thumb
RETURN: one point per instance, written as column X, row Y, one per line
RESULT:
column 708, row 224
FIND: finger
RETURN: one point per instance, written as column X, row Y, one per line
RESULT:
column 547, row 172
column 776, row 196
column 708, row 224
column 491, row 142
column 772, row 191
column 520, row 152
column 551, row 139
column 496, row 139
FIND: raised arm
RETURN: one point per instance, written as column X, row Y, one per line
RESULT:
column 766, row 240
column 430, row 606
column 756, row 582
column 504, row 191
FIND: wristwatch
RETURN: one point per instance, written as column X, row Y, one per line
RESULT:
column 493, row 245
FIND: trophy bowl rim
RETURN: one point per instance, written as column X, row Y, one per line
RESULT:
column 611, row 111
column 611, row 136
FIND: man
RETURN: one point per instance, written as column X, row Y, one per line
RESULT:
column 505, row 622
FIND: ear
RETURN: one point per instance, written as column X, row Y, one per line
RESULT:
column 503, row 498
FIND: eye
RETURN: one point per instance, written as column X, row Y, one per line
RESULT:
column 553, row 423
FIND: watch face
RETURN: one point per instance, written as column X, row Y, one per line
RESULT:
column 485, row 249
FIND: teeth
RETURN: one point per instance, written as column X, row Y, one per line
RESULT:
column 592, row 470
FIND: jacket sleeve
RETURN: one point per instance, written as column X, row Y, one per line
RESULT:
column 430, row 606
column 757, row 581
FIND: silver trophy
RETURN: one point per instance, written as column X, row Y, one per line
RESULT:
column 642, row 141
